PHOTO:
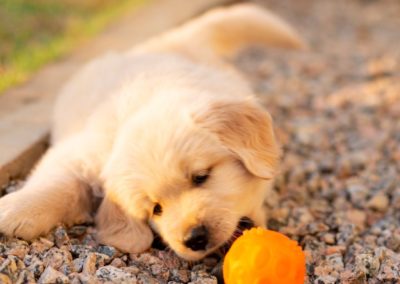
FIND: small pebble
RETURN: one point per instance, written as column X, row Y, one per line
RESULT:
column 367, row 264
column 4, row 279
column 61, row 237
column 51, row 275
column 117, row 262
column 89, row 265
column 379, row 202
column 328, row 238
column 111, row 252
column 115, row 275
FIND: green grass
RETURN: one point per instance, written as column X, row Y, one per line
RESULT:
column 35, row 32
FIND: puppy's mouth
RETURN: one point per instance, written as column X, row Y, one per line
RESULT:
column 244, row 223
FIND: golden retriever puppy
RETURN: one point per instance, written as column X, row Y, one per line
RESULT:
column 167, row 134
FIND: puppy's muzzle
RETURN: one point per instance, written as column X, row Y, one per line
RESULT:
column 197, row 238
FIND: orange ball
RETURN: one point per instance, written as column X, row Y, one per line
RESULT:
column 262, row 256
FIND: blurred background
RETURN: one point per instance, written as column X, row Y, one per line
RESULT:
column 34, row 32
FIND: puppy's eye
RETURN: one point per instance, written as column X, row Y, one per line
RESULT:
column 157, row 210
column 199, row 179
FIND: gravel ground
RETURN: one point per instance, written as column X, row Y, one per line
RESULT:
column 336, row 109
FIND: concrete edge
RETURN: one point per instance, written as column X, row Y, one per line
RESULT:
column 20, row 166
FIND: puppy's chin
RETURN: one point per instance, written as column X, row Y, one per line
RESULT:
column 190, row 255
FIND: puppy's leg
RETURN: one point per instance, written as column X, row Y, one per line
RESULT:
column 56, row 192
column 125, row 233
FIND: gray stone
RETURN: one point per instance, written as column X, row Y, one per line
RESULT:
column 367, row 264
column 61, row 237
column 18, row 249
column 181, row 275
column 117, row 262
column 146, row 278
column 36, row 266
column 89, row 266
column 78, row 264
column 111, row 252
column 202, row 277
column 25, row 277
column 326, row 279
column 56, row 257
column 88, row 279
column 132, row 269
column 379, row 202
column 11, row 267
column 93, row 261
column 115, row 275
column 50, row 276
column 40, row 246
column 4, row 279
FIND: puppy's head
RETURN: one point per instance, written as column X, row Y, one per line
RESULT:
column 193, row 176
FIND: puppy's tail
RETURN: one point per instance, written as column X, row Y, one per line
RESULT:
column 224, row 31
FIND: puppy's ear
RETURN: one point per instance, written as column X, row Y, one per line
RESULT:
column 125, row 233
column 246, row 130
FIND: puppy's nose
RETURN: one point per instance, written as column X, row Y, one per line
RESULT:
column 197, row 238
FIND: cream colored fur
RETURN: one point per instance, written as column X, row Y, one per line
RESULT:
column 135, row 127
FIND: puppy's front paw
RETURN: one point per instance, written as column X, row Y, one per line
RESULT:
column 133, row 237
column 115, row 228
column 20, row 218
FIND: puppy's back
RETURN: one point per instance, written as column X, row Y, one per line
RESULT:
column 206, row 39
column 224, row 31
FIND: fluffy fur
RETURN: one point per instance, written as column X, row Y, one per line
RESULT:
column 136, row 128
